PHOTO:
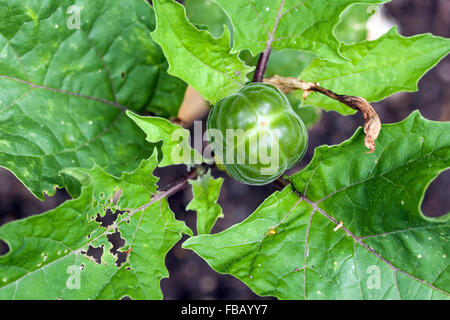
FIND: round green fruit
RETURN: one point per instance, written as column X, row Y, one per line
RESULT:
column 256, row 134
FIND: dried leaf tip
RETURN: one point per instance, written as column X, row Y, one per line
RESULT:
column 372, row 123
column 289, row 84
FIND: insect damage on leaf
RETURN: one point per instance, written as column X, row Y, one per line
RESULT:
column 117, row 243
column 110, row 217
column 114, row 239
column 94, row 254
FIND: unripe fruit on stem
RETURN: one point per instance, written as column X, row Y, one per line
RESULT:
column 256, row 134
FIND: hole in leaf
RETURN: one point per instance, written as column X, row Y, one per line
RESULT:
column 109, row 218
column 436, row 201
column 117, row 243
column 122, row 75
column 94, row 254
column 121, row 258
column 4, row 248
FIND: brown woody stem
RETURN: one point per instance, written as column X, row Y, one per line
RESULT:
column 372, row 124
column 178, row 185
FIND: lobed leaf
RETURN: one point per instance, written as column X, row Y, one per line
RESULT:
column 63, row 89
column 195, row 56
column 51, row 255
column 353, row 229
column 206, row 192
column 376, row 69
column 288, row 24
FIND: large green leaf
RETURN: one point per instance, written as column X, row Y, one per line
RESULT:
column 63, row 90
column 291, row 247
column 376, row 69
column 195, row 56
column 287, row 24
column 50, row 255
column 206, row 191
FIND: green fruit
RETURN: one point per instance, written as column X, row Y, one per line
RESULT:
column 267, row 136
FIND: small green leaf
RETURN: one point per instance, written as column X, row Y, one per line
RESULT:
column 288, row 24
column 295, row 247
column 50, row 255
column 206, row 191
column 195, row 56
column 175, row 140
column 376, row 69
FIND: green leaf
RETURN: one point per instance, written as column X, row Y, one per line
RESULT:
column 206, row 192
column 292, row 248
column 195, row 56
column 352, row 27
column 310, row 115
column 208, row 13
column 49, row 255
column 175, row 140
column 376, row 69
column 287, row 24
column 63, row 90
column 288, row 63
column 167, row 96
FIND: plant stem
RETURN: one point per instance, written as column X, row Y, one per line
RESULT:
column 178, row 185
column 261, row 66
column 173, row 188
column 264, row 57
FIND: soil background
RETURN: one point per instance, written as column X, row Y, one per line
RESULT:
column 190, row 276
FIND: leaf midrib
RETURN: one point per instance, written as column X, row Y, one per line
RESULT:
column 358, row 240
